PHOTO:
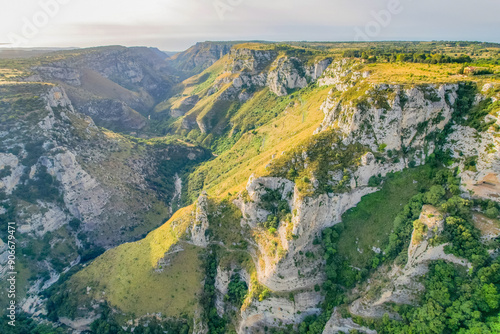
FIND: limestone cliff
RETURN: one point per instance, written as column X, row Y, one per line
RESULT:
column 117, row 86
column 70, row 185
column 477, row 153
column 200, row 56
column 402, row 285
column 269, row 68
column 268, row 232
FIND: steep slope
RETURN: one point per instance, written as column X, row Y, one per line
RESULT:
column 167, row 267
column 330, row 140
column 200, row 56
column 206, row 105
column 117, row 86
column 341, row 191
column 73, row 189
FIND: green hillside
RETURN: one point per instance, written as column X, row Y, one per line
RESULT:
column 270, row 187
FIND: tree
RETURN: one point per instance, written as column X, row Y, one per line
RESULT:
column 237, row 290
column 434, row 195
column 492, row 212
column 490, row 295
column 74, row 224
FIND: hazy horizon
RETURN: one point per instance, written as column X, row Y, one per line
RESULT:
column 6, row 47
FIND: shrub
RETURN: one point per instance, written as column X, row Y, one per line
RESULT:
column 375, row 181
column 492, row 212
column 74, row 224
column 271, row 223
column 237, row 290
column 381, row 148
column 6, row 171
column 264, row 294
column 434, row 195
column 420, row 229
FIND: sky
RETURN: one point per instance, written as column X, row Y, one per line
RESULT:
column 174, row 25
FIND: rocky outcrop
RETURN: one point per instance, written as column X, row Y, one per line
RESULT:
column 338, row 324
column 489, row 228
column 57, row 97
column 139, row 67
column 84, row 197
column 309, row 217
column 12, row 171
column 370, row 167
column 287, row 73
column 392, row 116
column 222, row 281
column 49, row 218
column 482, row 149
column 395, row 117
column 113, row 85
column 277, row 311
column 403, row 285
column 200, row 225
column 342, row 74
column 278, row 72
column 255, row 69
column 81, row 187
column 199, row 57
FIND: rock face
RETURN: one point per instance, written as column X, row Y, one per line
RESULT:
column 274, row 310
column 400, row 118
column 342, row 74
column 266, row 68
column 186, row 104
column 9, row 162
column 200, row 225
column 338, row 324
column 222, row 286
column 200, row 56
column 247, row 71
column 286, row 75
column 84, row 197
column 466, row 143
column 391, row 115
column 281, row 274
column 404, row 286
column 116, row 86
column 69, row 185
column 401, row 127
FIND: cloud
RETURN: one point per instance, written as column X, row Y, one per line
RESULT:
column 176, row 24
